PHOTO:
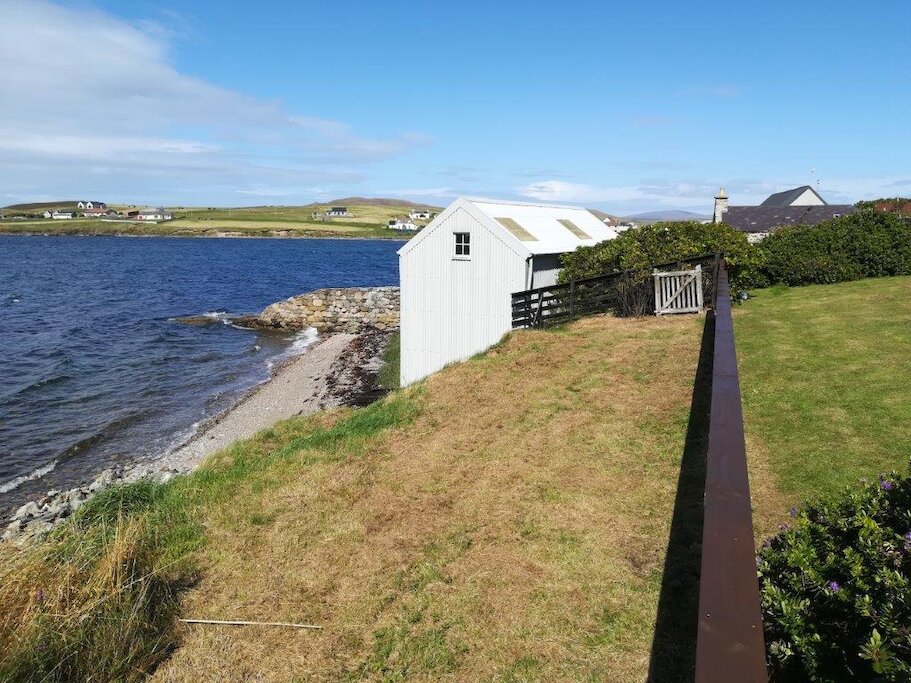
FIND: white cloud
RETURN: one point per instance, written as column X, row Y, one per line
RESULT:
column 105, row 102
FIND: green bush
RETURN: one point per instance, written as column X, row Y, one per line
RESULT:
column 641, row 247
column 835, row 587
column 863, row 244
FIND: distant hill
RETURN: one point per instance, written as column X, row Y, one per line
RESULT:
column 376, row 201
column 601, row 215
column 35, row 206
column 667, row 215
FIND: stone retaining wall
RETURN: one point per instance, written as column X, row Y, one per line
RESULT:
column 352, row 310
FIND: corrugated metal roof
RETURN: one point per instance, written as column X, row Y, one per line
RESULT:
column 544, row 223
column 535, row 228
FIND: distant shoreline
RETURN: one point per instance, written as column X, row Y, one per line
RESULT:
column 391, row 238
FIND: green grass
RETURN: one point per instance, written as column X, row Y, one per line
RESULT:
column 826, row 381
column 389, row 373
column 99, row 600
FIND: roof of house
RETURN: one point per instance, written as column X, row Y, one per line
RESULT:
column 526, row 227
column 788, row 196
column 766, row 218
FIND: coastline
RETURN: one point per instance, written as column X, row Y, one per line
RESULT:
column 220, row 236
column 339, row 369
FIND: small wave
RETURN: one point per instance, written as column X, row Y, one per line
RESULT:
column 37, row 384
column 223, row 316
column 304, row 339
column 34, row 474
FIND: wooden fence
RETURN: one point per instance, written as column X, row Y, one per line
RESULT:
column 730, row 645
column 628, row 292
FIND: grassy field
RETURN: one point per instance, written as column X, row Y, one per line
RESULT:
column 366, row 220
column 506, row 520
column 825, row 375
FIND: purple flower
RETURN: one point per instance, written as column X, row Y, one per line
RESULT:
column 793, row 512
column 834, row 586
column 886, row 485
column 39, row 595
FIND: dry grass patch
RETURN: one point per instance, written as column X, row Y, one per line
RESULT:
column 514, row 530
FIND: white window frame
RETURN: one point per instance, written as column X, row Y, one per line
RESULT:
column 465, row 255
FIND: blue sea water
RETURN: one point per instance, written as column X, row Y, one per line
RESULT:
column 94, row 368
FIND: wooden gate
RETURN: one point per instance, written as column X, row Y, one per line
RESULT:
column 678, row 291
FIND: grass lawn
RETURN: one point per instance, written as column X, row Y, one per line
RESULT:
column 505, row 520
column 826, row 381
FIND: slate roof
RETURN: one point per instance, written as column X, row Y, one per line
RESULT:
column 765, row 218
column 788, row 196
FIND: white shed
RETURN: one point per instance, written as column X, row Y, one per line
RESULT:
column 458, row 273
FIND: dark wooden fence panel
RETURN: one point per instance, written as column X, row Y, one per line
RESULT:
column 730, row 645
column 626, row 293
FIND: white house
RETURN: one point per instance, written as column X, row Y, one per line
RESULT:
column 61, row 215
column 420, row 214
column 91, row 205
column 337, row 212
column 458, row 273
column 151, row 215
column 403, row 225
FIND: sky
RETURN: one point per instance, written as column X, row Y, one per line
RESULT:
column 622, row 106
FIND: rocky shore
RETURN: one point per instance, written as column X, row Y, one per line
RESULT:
column 352, row 310
column 340, row 369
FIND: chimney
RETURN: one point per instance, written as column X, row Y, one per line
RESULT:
column 721, row 205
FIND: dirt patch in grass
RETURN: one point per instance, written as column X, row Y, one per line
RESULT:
column 514, row 530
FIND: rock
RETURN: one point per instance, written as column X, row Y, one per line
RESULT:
column 354, row 310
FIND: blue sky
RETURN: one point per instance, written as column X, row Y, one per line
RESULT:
column 625, row 106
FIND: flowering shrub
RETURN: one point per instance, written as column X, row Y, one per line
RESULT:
column 835, row 587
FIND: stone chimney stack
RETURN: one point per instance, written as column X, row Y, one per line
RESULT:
column 721, row 205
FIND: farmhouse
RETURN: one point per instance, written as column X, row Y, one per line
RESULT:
column 91, row 205
column 420, row 214
column 458, row 273
column 799, row 206
column 401, row 224
column 337, row 212
column 151, row 214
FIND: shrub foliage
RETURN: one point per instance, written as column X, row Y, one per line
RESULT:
column 867, row 243
column 863, row 244
column 661, row 242
column 835, row 587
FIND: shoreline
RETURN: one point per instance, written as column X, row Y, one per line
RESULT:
column 391, row 238
column 339, row 369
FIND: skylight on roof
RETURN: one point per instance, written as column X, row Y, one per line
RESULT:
column 516, row 229
column 574, row 229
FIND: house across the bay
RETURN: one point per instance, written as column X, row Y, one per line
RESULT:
column 799, row 206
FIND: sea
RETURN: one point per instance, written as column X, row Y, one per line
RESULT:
column 97, row 370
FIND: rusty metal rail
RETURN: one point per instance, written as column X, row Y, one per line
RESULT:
column 730, row 644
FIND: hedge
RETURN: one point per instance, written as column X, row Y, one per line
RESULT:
column 866, row 243
column 863, row 244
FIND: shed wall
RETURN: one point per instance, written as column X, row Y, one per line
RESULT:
column 452, row 309
column 546, row 270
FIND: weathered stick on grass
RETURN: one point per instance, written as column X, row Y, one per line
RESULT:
column 247, row 623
